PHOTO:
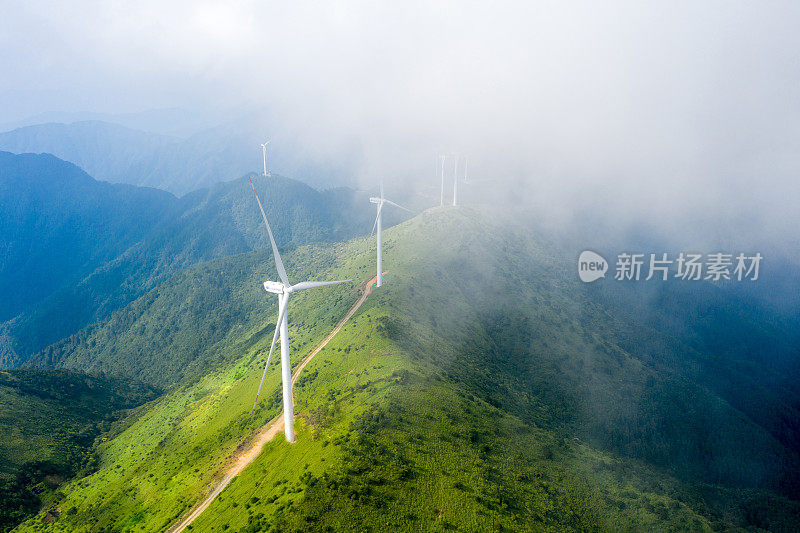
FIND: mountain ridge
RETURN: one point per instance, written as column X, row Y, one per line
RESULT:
column 112, row 152
column 471, row 415
column 167, row 235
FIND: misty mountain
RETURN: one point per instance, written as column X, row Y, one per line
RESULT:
column 57, row 225
column 75, row 249
column 109, row 152
column 119, row 154
column 172, row 121
column 484, row 376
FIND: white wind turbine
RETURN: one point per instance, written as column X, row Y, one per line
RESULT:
column 264, row 153
column 455, row 179
column 379, row 225
column 283, row 289
column 441, row 173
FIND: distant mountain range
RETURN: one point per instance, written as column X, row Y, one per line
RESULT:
column 119, row 154
column 58, row 225
column 172, row 121
column 75, row 249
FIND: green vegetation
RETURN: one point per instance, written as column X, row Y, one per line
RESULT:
column 482, row 388
column 75, row 250
column 57, row 225
column 201, row 318
column 49, row 421
column 172, row 451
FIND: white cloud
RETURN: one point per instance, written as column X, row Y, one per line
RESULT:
column 680, row 104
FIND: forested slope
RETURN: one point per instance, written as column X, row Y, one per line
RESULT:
column 74, row 250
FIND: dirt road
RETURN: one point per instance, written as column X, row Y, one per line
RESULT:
column 241, row 459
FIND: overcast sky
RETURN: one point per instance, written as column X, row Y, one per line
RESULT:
column 681, row 105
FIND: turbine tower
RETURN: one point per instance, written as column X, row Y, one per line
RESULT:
column 441, row 173
column 264, row 153
column 379, row 226
column 283, row 289
column 455, row 179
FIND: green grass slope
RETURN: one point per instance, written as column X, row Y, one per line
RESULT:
column 482, row 388
column 160, row 465
column 48, row 422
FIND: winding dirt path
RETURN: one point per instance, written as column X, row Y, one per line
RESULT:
column 241, row 459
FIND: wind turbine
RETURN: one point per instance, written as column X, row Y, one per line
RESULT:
column 455, row 179
column 283, row 289
column 441, row 173
column 379, row 225
column 264, row 153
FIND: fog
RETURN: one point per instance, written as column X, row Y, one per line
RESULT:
column 682, row 113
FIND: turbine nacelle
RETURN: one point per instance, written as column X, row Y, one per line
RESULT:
column 275, row 287
column 375, row 200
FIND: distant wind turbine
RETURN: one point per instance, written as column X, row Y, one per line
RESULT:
column 283, row 289
column 455, row 179
column 264, row 153
column 379, row 226
column 441, row 173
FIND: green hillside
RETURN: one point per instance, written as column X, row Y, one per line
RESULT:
column 308, row 215
column 57, row 225
column 197, row 319
column 75, row 250
column 482, row 388
column 49, row 420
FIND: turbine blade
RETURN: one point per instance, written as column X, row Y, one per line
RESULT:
column 314, row 284
column 281, row 318
column 397, row 205
column 275, row 253
column 375, row 225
